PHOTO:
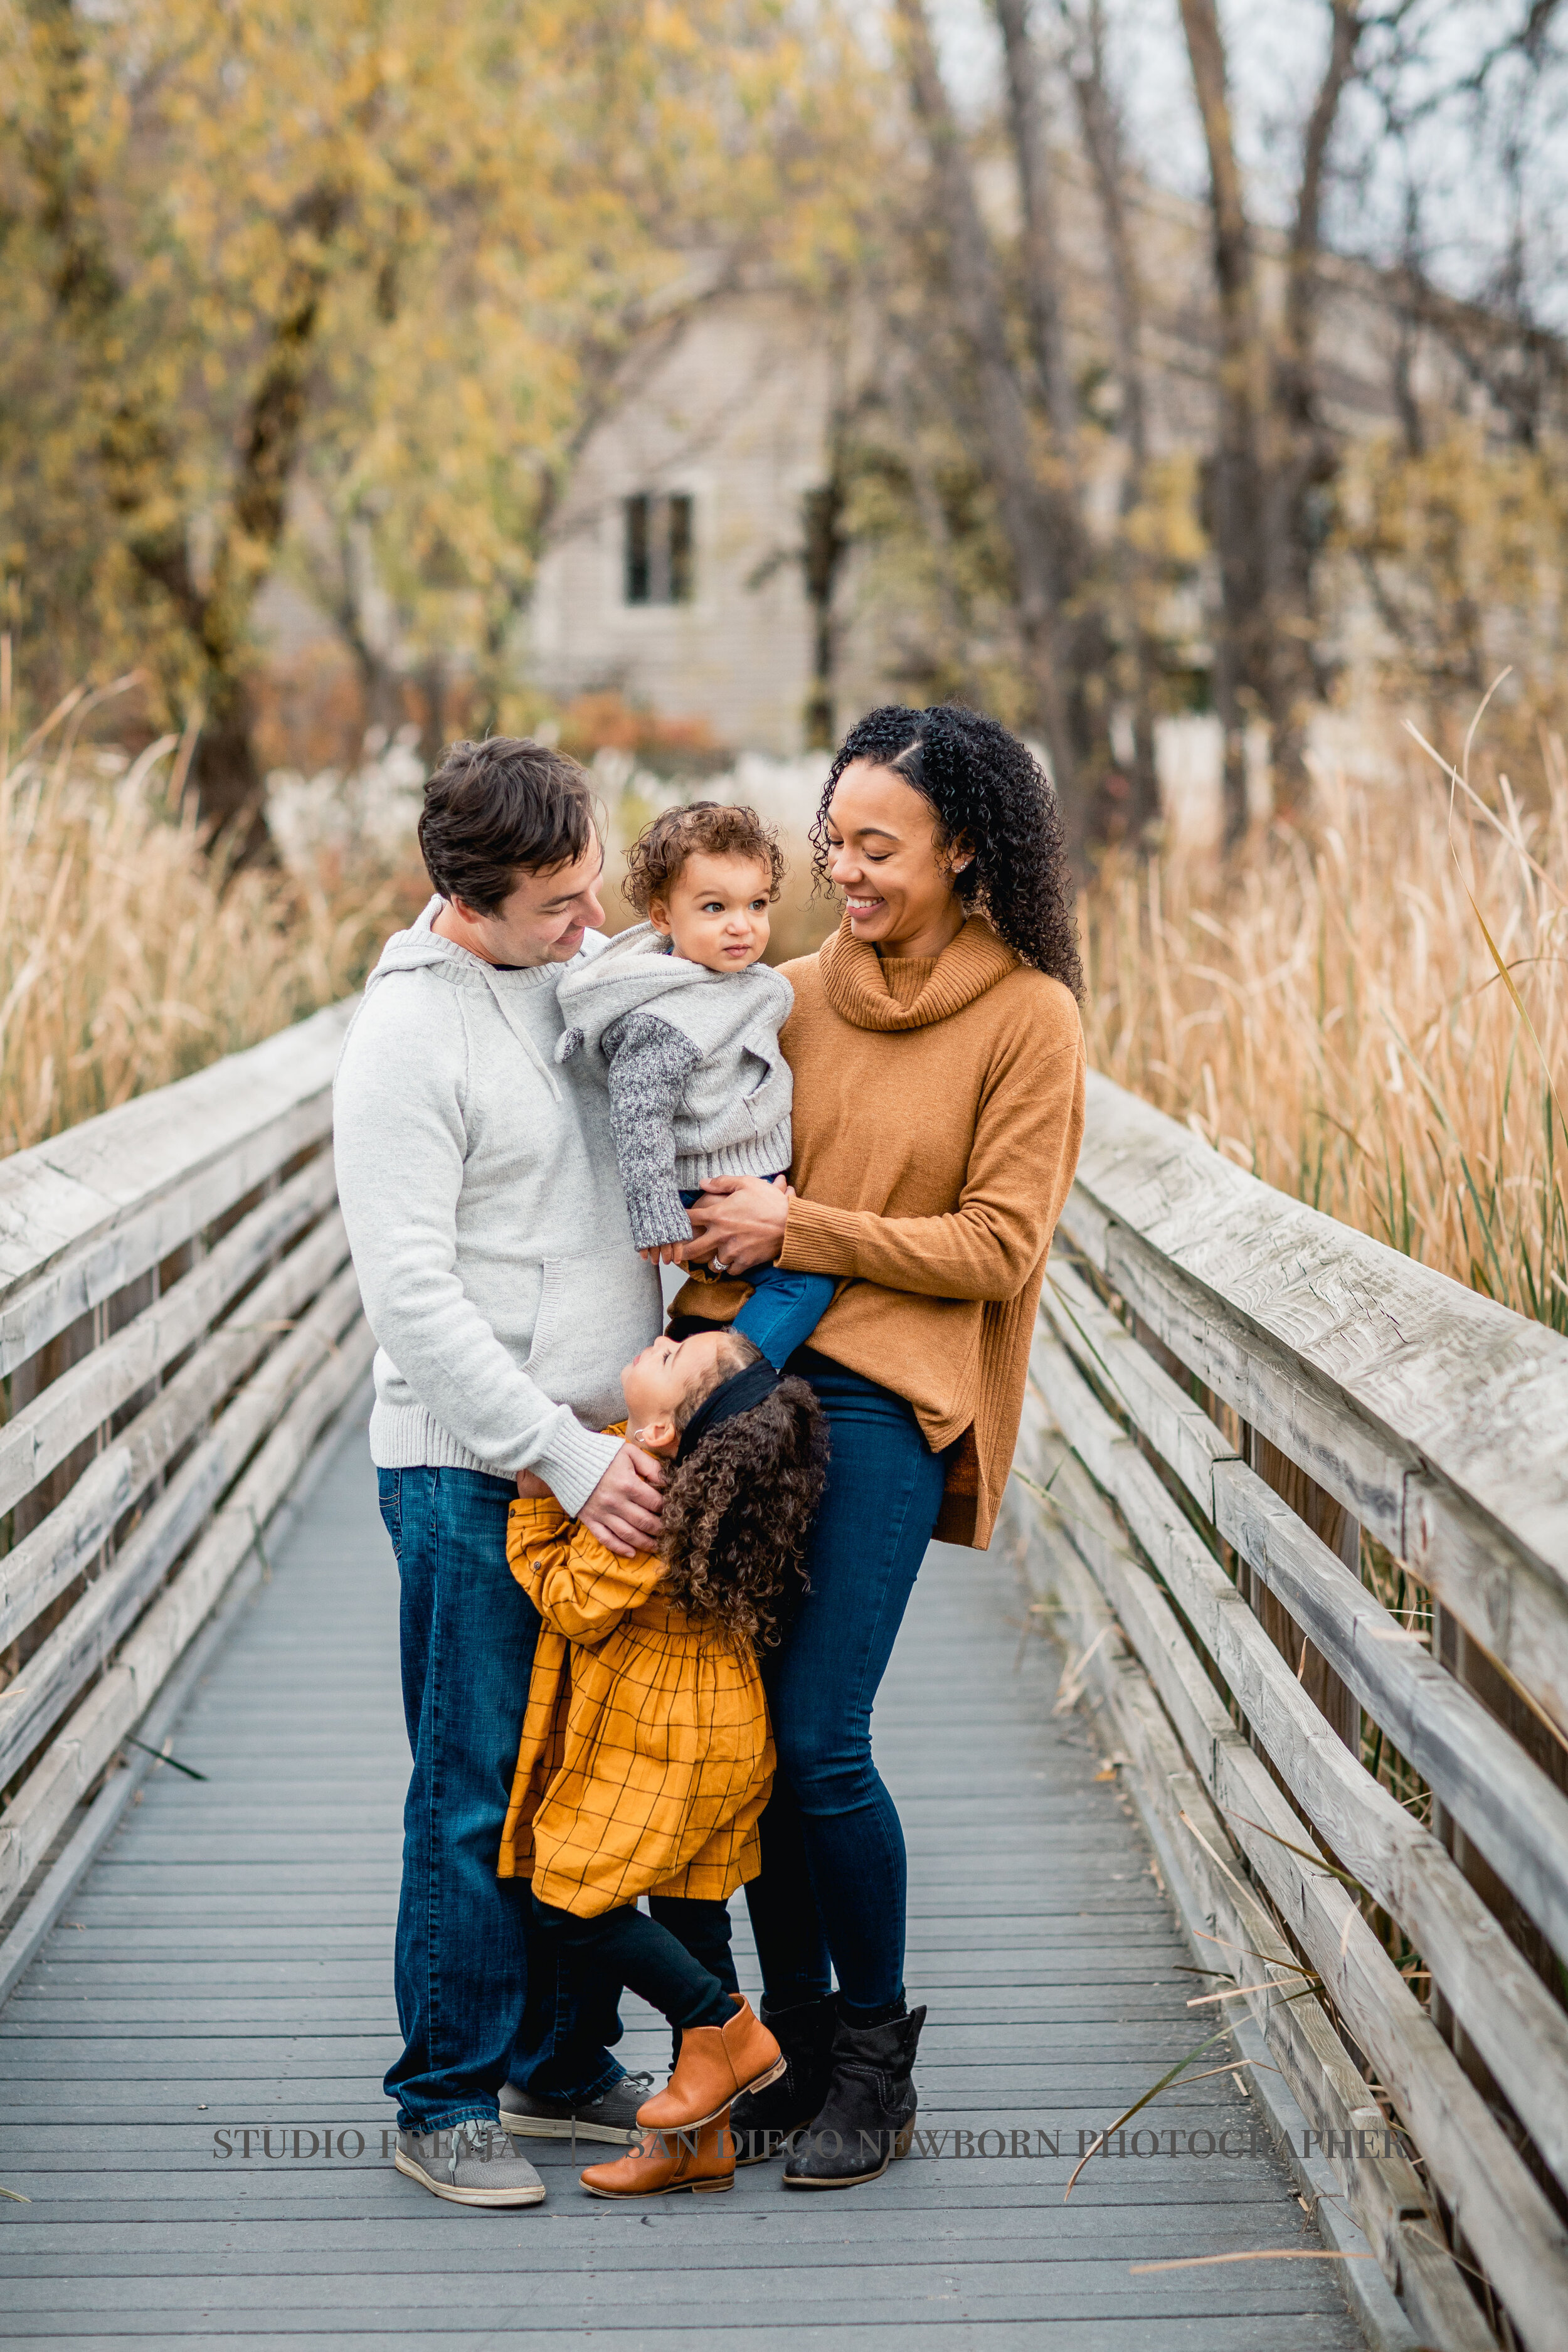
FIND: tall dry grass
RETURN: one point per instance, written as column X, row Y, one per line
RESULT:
column 130, row 957
column 1329, row 1013
column 1331, row 1016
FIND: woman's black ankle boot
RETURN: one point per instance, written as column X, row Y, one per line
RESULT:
column 763, row 2120
column 869, row 2114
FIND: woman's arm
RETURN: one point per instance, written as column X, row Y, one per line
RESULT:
column 577, row 1586
column 1020, row 1166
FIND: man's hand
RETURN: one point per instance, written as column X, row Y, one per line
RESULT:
column 740, row 1221
column 624, row 1508
column 531, row 1487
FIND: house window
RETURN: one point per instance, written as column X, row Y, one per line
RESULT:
column 658, row 548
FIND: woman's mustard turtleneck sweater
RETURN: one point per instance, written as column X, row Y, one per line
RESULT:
column 938, row 1116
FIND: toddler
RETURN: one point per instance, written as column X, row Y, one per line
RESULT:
column 645, row 1757
column 681, row 1018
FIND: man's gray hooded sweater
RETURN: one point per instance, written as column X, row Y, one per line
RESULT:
column 479, row 1189
column 696, row 1083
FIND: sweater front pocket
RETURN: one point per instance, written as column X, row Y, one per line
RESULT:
column 594, row 1315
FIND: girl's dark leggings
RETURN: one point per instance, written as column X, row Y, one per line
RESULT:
column 678, row 1960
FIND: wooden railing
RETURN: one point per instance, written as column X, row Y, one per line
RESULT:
column 1244, row 1417
column 179, row 1321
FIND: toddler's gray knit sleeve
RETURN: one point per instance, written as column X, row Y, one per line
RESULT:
column 650, row 1065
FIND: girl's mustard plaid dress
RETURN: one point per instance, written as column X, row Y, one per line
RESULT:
column 645, row 1757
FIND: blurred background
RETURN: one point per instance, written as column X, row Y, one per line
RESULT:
column 1184, row 383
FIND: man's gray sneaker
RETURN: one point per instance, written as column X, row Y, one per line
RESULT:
column 472, row 2164
column 612, row 2117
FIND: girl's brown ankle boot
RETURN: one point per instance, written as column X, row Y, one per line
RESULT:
column 702, row 2159
column 716, row 2064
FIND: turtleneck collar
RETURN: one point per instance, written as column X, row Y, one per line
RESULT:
column 856, row 986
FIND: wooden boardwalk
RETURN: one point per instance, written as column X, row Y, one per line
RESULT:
column 226, row 1967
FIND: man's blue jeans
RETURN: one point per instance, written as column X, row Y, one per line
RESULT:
column 473, row 2011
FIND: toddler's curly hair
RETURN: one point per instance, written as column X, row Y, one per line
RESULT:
column 738, row 1509
column 700, row 829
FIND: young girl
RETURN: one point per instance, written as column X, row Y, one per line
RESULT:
column 645, row 1757
column 681, row 1017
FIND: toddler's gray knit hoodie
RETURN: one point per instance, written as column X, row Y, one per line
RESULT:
column 697, row 1084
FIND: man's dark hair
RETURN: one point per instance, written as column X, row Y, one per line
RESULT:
column 497, row 808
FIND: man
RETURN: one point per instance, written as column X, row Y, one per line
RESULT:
column 479, row 1185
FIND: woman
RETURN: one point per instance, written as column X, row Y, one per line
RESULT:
column 938, row 1063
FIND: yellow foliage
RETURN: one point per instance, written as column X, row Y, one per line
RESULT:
column 408, row 243
column 1460, row 549
column 1163, row 526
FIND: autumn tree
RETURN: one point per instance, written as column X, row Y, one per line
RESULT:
column 405, row 249
column 1023, row 402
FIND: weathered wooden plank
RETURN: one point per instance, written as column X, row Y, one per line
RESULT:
column 799, row 2228
column 1520, row 2029
column 951, row 2332
column 82, row 1642
column 1498, row 1592
column 1178, row 1429
column 85, row 1214
column 297, row 2252
column 1472, row 1567
column 1231, row 1927
column 1384, row 2194
column 1475, row 1393
column 1024, row 2186
column 1516, row 1815
column 1083, row 2281
column 903, row 2243
column 971, row 2322
column 44, row 1432
column 55, row 1551
column 1499, row 2208
column 112, row 1708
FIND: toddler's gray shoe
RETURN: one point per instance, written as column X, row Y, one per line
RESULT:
column 473, row 2164
column 612, row 2117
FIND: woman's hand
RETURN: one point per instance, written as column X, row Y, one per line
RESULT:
column 531, row 1487
column 739, row 1222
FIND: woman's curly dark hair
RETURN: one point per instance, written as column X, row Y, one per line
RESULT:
column 737, row 1513
column 991, row 795
column 711, row 828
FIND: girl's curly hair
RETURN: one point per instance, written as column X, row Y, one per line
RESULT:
column 737, row 1512
column 991, row 795
column 698, row 829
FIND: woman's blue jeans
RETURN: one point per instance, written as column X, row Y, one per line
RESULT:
column 480, row 1998
column 833, row 1883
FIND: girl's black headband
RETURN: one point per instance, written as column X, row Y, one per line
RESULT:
column 738, row 1394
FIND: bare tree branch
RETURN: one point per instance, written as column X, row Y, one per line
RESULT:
column 1041, row 240
column 1043, row 580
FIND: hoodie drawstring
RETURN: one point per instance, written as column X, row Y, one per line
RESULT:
column 521, row 1033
